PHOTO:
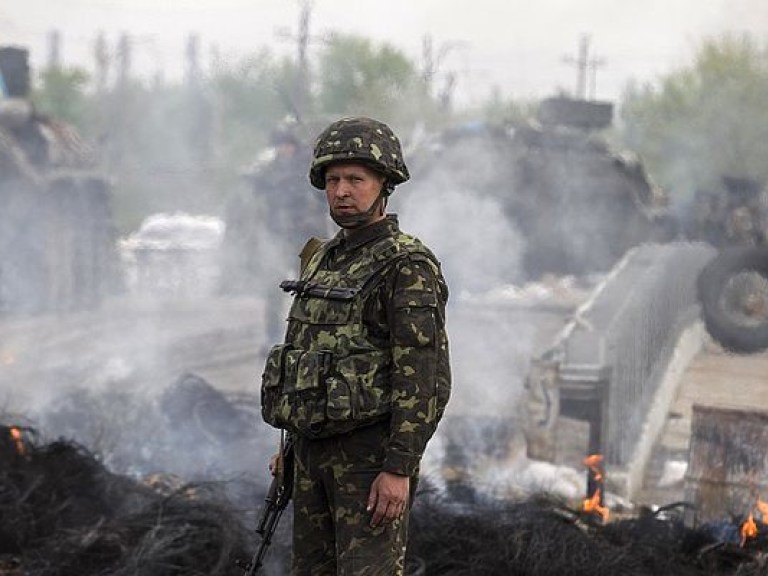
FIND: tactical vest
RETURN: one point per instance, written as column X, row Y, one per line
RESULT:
column 330, row 376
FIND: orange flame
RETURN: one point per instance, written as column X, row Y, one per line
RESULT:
column 593, row 462
column 16, row 435
column 748, row 529
column 592, row 504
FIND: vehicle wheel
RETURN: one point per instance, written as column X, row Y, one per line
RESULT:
column 733, row 292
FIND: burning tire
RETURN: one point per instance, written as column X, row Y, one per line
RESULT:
column 733, row 292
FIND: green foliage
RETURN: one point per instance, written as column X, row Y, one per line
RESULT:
column 184, row 145
column 61, row 94
column 704, row 121
column 357, row 77
column 251, row 96
column 159, row 142
column 498, row 109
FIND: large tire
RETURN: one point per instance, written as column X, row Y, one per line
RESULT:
column 733, row 292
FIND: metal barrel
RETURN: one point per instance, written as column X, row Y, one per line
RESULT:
column 727, row 462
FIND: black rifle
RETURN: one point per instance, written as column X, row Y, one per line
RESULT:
column 274, row 505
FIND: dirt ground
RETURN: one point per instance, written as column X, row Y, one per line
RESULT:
column 131, row 343
column 714, row 378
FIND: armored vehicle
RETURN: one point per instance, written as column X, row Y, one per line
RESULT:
column 733, row 287
column 578, row 204
column 57, row 242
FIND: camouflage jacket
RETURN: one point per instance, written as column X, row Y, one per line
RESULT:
column 366, row 342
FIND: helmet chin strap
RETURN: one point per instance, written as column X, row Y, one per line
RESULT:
column 355, row 221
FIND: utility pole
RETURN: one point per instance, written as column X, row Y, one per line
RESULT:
column 120, row 116
column 199, row 125
column 54, row 50
column 303, row 40
column 445, row 97
column 586, row 67
column 431, row 64
column 593, row 65
column 101, row 56
column 193, row 60
column 300, row 95
column 123, row 59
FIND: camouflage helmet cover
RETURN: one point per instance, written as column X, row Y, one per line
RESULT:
column 358, row 140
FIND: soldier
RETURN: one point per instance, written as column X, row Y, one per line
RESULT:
column 267, row 221
column 363, row 377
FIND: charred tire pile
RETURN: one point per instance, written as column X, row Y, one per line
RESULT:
column 64, row 514
column 733, row 292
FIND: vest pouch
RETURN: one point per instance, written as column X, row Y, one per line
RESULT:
column 304, row 390
column 304, row 370
column 272, row 401
column 321, row 311
column 340, row 401
column 363, row 383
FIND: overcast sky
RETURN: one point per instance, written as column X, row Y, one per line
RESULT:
column 520, row 47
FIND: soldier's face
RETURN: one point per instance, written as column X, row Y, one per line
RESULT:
column 352, row 188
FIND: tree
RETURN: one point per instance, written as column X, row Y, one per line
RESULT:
column 498, row 109
column 358, row 77
column 250, row 96
column 61, row 94
column 705, row 121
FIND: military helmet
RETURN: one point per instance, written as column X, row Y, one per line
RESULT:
column 361, row 140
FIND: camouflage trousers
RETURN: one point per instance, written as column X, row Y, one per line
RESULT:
column 332, row 535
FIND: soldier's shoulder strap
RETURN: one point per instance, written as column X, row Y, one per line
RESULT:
column 312, row 246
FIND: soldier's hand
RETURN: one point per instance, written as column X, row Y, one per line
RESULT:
column 388, row 497
column 273, row 464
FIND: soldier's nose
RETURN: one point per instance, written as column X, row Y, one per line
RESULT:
column 342, row 191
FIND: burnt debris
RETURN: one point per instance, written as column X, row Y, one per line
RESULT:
column 542, row 536
column 64, row 513
column 126, row 506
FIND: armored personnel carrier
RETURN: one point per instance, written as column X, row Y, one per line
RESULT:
column 57, row 242
column 578, row 204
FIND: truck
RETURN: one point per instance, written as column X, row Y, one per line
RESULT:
column 733, row 287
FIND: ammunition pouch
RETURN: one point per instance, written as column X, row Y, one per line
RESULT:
column 302, row 391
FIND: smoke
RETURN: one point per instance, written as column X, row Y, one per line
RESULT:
column 21, row 250
column 100, row 376
column 478, row 247
column 458, row 203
